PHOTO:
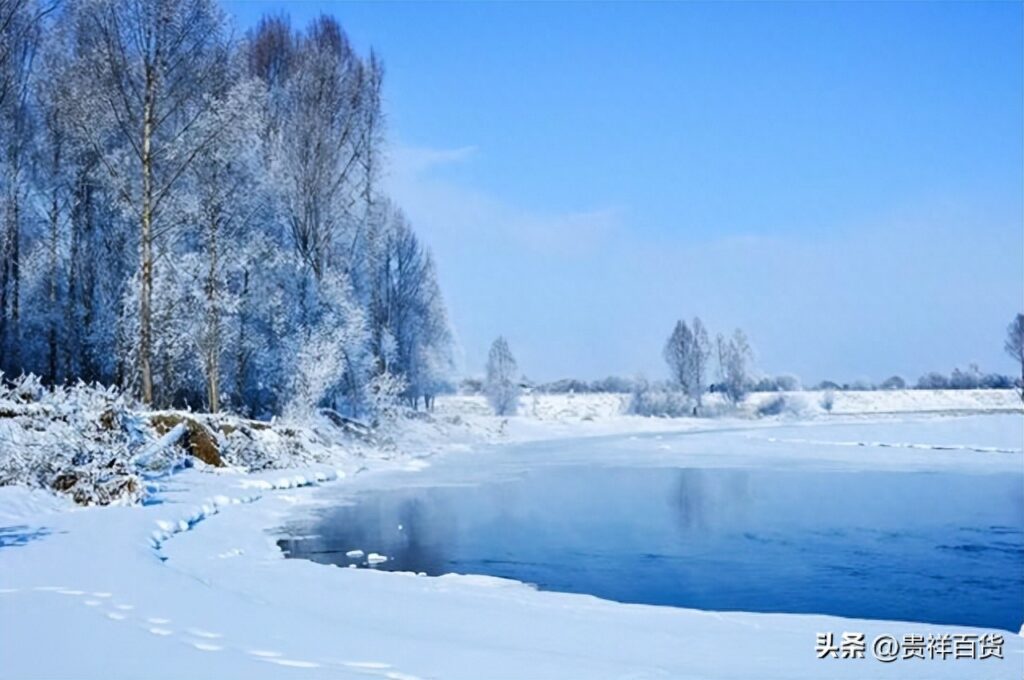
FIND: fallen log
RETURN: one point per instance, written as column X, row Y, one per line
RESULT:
column 198, row 440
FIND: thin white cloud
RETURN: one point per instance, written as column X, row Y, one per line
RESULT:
column 414, row 160
column 444, row 209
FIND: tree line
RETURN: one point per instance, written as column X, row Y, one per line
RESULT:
column 199, row 218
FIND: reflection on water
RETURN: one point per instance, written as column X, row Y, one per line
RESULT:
column 934, row 547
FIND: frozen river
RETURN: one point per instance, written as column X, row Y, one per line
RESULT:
column 935, row 546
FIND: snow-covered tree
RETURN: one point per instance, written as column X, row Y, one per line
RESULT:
column 735, row 359
column 145, row 77
column 1014, row 346
column 502, row 381
column 686, row 353
column 202, row 220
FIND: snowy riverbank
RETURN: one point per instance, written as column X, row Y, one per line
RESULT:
column 191, row 584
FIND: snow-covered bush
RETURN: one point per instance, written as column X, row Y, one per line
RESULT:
column 783, row 405
column 648, row 400
column 94, row 445
column 828, row 400
column 773, row 407
column 79, row 441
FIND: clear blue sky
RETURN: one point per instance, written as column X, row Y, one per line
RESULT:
column 844, row 181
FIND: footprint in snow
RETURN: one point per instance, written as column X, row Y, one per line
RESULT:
column 206, row 646
column 157, row 621
column 199, row 632
column 367, row 665
column 91, row 603
column 293, row 663
column 264, row 654
column 124, row 607
column 159, row 631
column 115, row 616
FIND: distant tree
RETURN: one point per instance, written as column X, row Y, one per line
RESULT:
column 779, row 383
column 502, row 385
column 995, row 381
column 471, row 386
column 677, row 352
column 1015, row 346
column 735, row 363
column 788, row 383
column 894, row 383
column 686, row 353
column 828, row 400
column 933, row 381
column 699, row 361
column 966, row 380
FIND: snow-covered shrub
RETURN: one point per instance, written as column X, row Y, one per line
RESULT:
column 648, row 400
column 783, row 405
column 773, row 407
column 828, row 400
column 79, row 441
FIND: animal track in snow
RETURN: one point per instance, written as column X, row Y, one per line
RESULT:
column 159, row 631
column 199, row 632
column 206, row 646
column 293, row 663
column 264, row 654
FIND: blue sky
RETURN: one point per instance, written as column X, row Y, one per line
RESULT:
column 843, row 181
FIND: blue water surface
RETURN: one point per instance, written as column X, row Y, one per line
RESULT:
column 936, row 547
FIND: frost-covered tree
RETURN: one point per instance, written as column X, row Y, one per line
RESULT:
column 678, row 351
column 735, row 359
column 699, row 361
column 894, row 382
column 1014, row 346
column 502, row 381
column 227, row 199
column 686, row 353
column 202, row 219
column 408, row 323
column 20, row 37
column 145, row 78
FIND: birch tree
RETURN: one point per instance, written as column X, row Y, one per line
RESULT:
column 145, row 77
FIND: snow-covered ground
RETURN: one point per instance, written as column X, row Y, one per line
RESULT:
column 191, row 584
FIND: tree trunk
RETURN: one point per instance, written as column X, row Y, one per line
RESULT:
column 54, row 273
column 146, row 242
column 213, row 323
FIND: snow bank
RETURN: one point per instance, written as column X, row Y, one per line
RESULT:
column 98, row 447
column 94, row 594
